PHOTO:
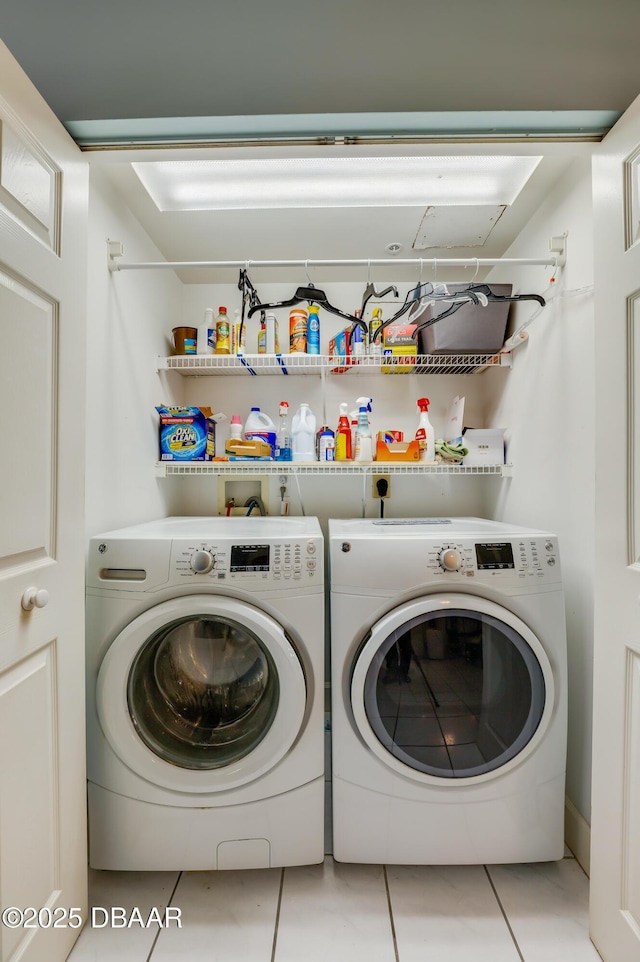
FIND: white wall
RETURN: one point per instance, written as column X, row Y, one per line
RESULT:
column 548, row 404
column 129, row 319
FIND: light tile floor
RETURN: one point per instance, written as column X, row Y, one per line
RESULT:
column 346, row 913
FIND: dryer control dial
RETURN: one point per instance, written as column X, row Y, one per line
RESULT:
column 201, row 561
column 450, row 559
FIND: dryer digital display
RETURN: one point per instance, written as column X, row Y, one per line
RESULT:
column 250, row 557
column 495, row 555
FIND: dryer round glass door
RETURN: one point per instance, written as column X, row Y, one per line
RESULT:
column 452, row 687
column 201, row 693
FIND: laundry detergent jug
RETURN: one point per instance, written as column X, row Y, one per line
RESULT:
column 303, row 434
column 259, row 425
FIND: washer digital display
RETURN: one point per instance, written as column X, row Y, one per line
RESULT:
column 495, row 555
column 250, row 557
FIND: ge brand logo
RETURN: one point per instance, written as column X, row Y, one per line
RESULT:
column 346, row 546
column 102, row 548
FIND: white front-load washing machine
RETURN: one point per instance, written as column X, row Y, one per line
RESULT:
column 205, row 680
column 449, row 692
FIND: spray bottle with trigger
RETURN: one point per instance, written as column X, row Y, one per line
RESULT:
column 364, row 441
column 424, row 434
column 344, row 447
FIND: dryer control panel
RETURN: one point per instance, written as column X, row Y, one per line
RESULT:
column 246, row 562
column 523, row 559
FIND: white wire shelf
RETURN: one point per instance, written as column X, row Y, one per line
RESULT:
column 170, row 469
column 195, row 365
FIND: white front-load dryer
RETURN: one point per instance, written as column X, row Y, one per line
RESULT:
column 205, row 679
column 449, row 692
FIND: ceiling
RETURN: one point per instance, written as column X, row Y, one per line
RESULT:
column 325, row 66
column 208, row 58
column 321, row 233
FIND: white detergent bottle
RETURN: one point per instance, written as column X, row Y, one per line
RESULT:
column 206, row 343
column 424, row 434
column 259, row 425
column 364, row 441
column 303, row 434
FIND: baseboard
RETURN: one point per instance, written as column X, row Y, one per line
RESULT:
column 577, row 833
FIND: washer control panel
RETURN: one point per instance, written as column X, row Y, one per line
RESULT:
column 248, row 562
column 519, row 559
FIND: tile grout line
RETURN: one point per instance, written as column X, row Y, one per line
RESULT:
column 393, row 927
column 277, row 921
column 169, row 901
column 504, row 914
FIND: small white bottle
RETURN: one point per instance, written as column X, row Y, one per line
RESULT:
column 235, row 428
column 206, row 343
column 425, row 434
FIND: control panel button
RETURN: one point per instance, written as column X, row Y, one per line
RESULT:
column 311, row 547
column 201, row 562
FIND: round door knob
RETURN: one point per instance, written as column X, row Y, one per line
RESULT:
column 202, row 562
column 34, row 598
column 451, row 560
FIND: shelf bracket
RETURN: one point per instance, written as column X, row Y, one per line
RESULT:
column 115, row 249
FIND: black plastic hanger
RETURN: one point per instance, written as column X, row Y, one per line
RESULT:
column 314, row 296
column 370, row 291
column 415, row 295
column 486, row 290
column 249, row 296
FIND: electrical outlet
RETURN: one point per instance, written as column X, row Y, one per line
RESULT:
column 374, row 485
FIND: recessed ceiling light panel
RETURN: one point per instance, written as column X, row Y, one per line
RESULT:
column 334, row 182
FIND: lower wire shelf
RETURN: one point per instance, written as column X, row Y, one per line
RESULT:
column 170, row 469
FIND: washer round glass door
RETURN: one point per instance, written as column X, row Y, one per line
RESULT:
column 452, row 687
column 201, row 693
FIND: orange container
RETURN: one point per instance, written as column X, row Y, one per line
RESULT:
column 298, row 331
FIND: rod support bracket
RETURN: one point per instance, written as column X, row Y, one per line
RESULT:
column 115, row 249
column 558, row 246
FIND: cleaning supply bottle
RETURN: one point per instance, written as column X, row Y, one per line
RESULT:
column 353, row 427
column 344, row 447
column 235, row 428
column 207, row 334
column 283, row 437
column 364, row 441
column 240, row 340
column 425, row 434
column 313, row 330
column 259, row 425
column 326, row 444
column 303, row 434
column 262, row 337
column 375, row 347
column 223, row 338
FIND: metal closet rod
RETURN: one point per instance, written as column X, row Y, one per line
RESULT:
column 435, row 262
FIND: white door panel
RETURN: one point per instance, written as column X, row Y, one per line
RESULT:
column 43, row 221
column 615, row 835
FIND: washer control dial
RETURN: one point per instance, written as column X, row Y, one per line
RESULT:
column 450, row 559
column 201, row 561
